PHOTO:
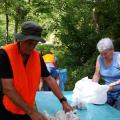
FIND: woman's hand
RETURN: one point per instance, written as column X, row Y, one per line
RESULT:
column 111, row 85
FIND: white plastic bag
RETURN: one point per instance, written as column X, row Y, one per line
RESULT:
column 87, row 91
column 61, row 115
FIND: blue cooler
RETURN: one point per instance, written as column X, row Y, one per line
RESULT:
column 63, row 78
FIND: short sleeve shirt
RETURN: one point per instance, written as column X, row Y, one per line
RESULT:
column 6, row 69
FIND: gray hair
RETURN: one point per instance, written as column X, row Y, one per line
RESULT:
column 104, row 44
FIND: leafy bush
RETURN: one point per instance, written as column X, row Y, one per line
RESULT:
column 78, row 72
column 75, row 72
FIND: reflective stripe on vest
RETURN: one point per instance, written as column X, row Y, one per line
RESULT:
column 26, row 78
column 49, row 58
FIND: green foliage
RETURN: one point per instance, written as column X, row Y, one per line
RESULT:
column 76, row 33
column 72, row 24
column 44, row 48
column 109, row 19
column 41, row 6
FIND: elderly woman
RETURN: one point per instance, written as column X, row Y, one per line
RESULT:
column 108, row 66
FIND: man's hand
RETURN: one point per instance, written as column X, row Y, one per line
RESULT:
column 37, row 116
column 66, row 106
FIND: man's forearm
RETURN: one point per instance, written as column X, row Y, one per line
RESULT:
column 56, row 90
column 18, row 100
column 54, row 87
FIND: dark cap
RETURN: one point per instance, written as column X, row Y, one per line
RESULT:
column 30, row 31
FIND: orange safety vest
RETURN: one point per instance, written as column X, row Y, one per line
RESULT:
column 49, row 58
column 26, row 78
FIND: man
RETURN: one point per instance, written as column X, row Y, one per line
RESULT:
column 21, row 69
column 52, row 65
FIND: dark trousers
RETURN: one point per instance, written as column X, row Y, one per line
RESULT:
column 6, row 115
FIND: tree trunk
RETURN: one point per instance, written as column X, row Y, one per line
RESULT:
column 95, row 20
column 16, row 21
column 7, row 21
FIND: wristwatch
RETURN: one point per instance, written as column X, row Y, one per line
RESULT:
column 63, row 99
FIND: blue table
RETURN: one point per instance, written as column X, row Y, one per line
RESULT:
column 46, row 101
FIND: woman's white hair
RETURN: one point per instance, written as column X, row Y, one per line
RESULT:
column 104, row 44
